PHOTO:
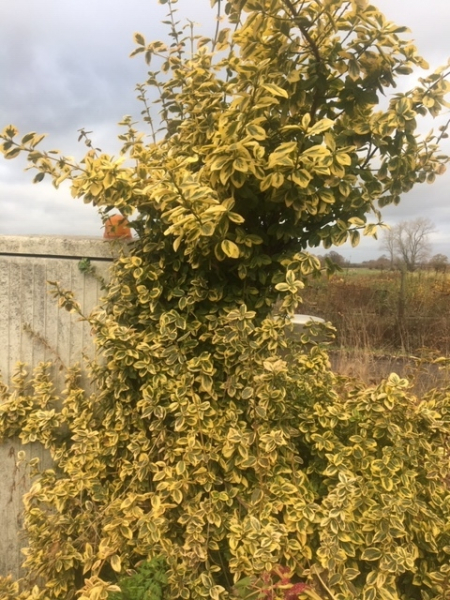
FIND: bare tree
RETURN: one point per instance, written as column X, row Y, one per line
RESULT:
column 388, row 244
column 408, row 242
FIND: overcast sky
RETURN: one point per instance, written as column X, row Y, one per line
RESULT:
column 64, row 65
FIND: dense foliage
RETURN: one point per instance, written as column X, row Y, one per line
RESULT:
column 148, row 582
column 212, row 441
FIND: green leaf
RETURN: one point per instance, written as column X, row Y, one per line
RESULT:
column 355, row 237
column 39, row 177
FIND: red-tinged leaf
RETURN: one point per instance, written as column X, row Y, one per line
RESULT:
column 294, row 592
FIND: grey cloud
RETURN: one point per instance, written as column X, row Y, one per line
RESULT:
column 28, row 209
column 64, row 65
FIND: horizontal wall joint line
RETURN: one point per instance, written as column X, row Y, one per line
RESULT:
column 58, row 256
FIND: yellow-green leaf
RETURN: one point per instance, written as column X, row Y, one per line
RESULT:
column 12, row 153
column 116, row 563
column 301, row 177
column 240, row 165
column 230, row 249
column 139, row 39
column 10, row 131
column 371, row 554
column 257, row 132
column 275, row 90
column 321, row 126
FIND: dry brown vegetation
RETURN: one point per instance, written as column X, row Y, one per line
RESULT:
column 386, row 321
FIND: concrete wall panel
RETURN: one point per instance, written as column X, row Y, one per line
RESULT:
column 33, row 329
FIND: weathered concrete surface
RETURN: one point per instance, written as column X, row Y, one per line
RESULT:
column 26, row 265
column 48, row 245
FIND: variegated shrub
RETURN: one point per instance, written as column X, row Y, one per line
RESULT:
column 213, row 441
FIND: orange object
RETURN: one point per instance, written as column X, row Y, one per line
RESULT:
column 116, row 227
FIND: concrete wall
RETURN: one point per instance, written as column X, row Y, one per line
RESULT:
column 26, row 265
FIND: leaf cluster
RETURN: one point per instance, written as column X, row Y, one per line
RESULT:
column 147, row 583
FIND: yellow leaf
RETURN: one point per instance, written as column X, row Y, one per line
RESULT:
column 371, row 229
column 180, row 467
column 95, row 189
column 316, row 151
column 97, row 593
column 219, row 162
column 126, row 532
column 357, row 221
column 275, row 90
column 230, row 249
column 320, row 126
column 306, row 120
column 177, row 496
column 207, row 229
column 116, row 563
column 236, row 218
column 256, row 132
column 12, row 153
column 277, row 180
column 37, row 139
column 216, row 592
column 301, row 177
column 343, row 159
column 240, row 165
